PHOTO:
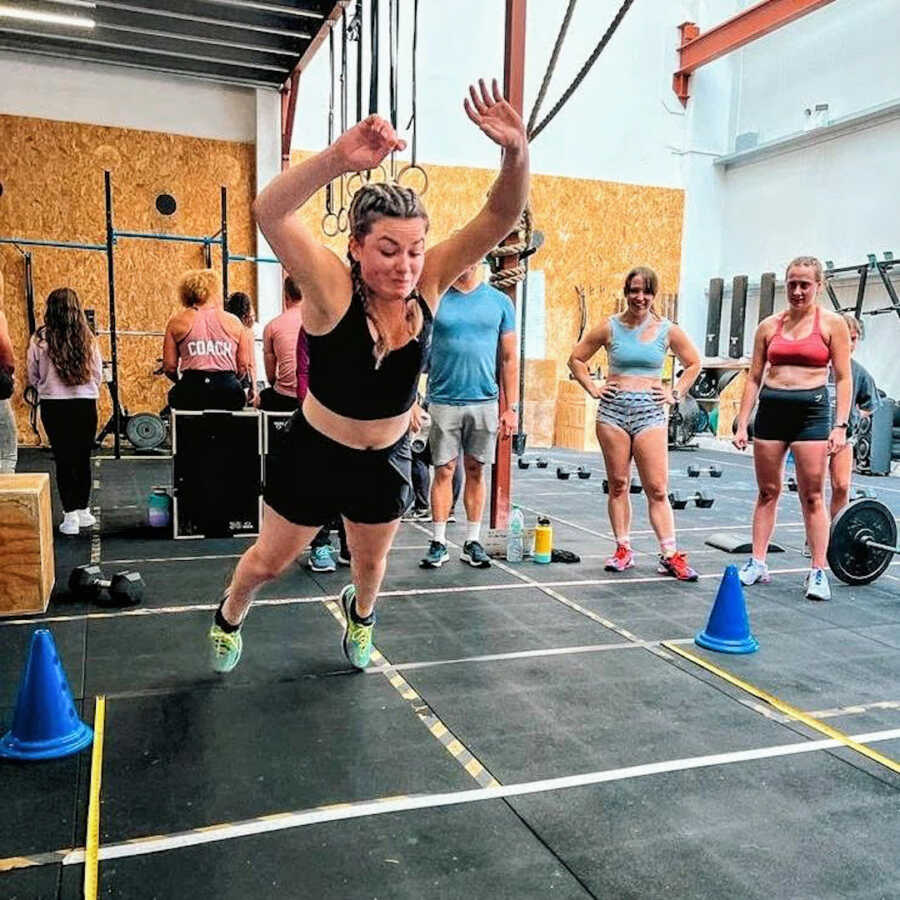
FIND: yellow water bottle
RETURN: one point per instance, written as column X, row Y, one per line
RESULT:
column 543, row 541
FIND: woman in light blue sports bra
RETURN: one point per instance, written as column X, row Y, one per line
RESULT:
column 631, row 418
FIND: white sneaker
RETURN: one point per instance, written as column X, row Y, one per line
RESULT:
column 69, row 524
column 752, row 572
column 817, row 586
column 85, row 518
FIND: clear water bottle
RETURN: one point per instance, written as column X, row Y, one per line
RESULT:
column 515, row 536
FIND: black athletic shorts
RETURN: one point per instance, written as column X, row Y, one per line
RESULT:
column 789, row 416
column 311, row 479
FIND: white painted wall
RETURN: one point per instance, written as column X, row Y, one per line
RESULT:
column 844, row 54
column 49, row 88
column 833, row 199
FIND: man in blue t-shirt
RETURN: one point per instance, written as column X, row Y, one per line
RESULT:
column 472, row 321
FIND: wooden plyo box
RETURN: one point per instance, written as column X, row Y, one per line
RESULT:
column 26, row 544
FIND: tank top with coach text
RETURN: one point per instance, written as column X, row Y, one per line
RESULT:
column 207, row 347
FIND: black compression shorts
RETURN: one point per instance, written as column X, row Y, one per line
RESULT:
column 793, row 415
column 311, row 479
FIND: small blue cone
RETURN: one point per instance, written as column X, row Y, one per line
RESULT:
column 728, row 628
column 45, row 723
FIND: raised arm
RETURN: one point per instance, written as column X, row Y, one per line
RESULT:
column 322, row 275
column 501, row 123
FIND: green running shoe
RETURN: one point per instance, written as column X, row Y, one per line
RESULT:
column 357, row 640
column 224, row 649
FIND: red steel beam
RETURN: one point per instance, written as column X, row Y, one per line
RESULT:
column 513, row 90
column 289, row 88
column 698, row 49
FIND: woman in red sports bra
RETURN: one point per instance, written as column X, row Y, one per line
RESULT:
column 788, row 373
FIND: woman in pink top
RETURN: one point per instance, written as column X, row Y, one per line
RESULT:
column 64, row 366
column 207, row 347
column 8, row 436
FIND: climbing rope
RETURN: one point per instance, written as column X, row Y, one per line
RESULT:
column 511, row 276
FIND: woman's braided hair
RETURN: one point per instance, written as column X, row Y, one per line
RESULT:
column 372, row 202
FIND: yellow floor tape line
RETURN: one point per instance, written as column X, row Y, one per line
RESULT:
column 92, row 839
column 786, row 708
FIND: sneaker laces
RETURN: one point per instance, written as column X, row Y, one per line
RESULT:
column 678, row 562
column 360, row 634
column 223, row 642
column 622, row 552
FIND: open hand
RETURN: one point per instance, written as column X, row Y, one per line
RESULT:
column 494, row 116
column 607, row 392
column 366, row 144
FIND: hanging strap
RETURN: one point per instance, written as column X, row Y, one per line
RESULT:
column 373, row 59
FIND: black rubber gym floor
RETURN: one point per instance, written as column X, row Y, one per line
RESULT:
column 521, row 733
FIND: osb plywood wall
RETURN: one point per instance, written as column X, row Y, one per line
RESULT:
column 594, row 231
column 52, row 178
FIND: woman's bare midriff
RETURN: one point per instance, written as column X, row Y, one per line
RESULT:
column 633, row 382
column 360, row 434
column 795, row 378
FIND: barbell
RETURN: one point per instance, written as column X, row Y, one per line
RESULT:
column 862, row 541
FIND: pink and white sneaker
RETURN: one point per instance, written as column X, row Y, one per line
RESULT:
column 621, row 560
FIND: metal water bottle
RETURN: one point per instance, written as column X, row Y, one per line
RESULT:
column 543, row 541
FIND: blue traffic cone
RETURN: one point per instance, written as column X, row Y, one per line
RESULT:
column 45, row 723
column 728, row 628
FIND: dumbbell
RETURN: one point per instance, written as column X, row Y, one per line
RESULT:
column 542, row 462
column 861, row 492
column 700, row 498
column 584, row 472
column 562, row 472
column 792, row 485
column 633, row 488
column 524, row 463
column 713, row 471
column 125, row 588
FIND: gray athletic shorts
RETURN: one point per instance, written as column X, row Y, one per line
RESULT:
column 472, row 428
column 632, row 411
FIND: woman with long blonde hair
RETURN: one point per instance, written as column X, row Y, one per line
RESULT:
column 8, row 437
column 65, row 367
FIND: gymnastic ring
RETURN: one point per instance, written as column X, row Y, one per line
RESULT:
column 413, row 167
column 343, row 220
column 365, row 179
column 325, row 220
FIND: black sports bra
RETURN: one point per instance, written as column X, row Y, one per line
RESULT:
column 342, row 373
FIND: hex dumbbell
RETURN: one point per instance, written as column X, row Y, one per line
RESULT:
column 699, row 498
column 584, row 472
column 713, row 471
column 542, row 462
column 562, row 472
column 792, row 485
column 123, row 589
column 523, row 463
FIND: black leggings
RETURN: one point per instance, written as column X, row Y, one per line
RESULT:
column 71, row 426
column 207, row 390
